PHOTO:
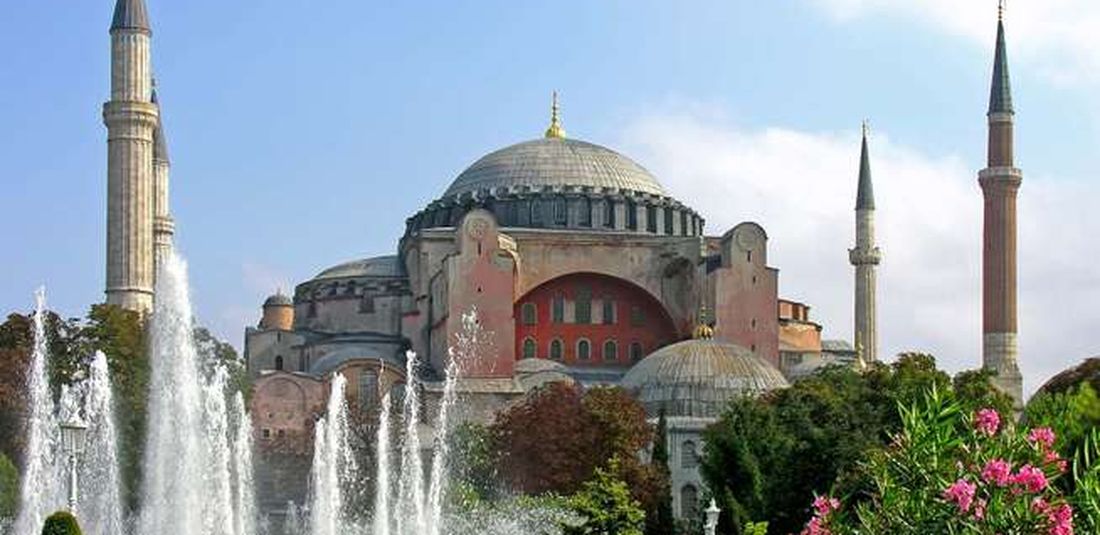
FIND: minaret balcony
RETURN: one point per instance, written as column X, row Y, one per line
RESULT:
column 865, row 256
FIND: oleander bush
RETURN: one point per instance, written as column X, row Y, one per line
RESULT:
column 949, row 470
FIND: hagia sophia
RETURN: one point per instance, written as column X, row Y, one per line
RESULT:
column 568, row 260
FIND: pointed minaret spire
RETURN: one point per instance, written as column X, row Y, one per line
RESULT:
column 1000, row 182
column 865, row 195
column 556, row 130
column 865, row 257
column 1000, row 91
column 130, row 15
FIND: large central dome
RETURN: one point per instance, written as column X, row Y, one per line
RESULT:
column 555, row 162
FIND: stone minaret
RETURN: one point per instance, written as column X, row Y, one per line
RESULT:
column 131, row 118
column 1000, row 181
column 865, row 256
column 163, row 225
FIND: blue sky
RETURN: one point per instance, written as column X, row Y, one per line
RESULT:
column 302, row 134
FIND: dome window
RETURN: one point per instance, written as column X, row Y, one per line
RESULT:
column 608, row 213
column 585, row 219
column 561, row 214
column 668, row 221
column 631, row 215
column 689, row 459
column 651, row 219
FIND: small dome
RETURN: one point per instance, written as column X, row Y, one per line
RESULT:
column 278, row 300
column 535, row 372
column 554, row 161
column 379, row 266
column 699, row 377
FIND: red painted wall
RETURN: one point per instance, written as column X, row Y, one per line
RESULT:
column 655, row 330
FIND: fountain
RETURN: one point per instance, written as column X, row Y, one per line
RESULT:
column 406, row 502
column 45, row 483
column 195, row 482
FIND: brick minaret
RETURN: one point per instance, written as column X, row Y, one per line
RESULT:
column 1000, row 181
column 131, row 118
column 865, row 256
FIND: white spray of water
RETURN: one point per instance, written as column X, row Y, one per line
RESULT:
column 243, row 489
column 411, row 480
column 382, row 479
column 100, row 506
column 333, row 463
column 188, row 483
column 41, row 493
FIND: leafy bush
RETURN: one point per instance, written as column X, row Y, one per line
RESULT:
column 61, row 523
column 952, row 471
column 9, row 487
column 605, row 507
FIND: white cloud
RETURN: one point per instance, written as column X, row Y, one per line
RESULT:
column 1056, row 38
column 801, row 187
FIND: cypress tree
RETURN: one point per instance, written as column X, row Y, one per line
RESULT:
column 660, row 521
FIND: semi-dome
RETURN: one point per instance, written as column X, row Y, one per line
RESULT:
column 699, row 378
column 556, row 163
column 379, row 266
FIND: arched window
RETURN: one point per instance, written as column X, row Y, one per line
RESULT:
column 610, row 351
column 683, row 223
column 529, row 348
column 529, row 313
column 397, row 396
column 584, row 349
column 688, row 457
column 608, row 213
column 651, row 219
column 278, row 362
column 635, row 351
column 556, row 349
column 689, row 502
column 583, row 310
column 350, row 290
column 368, row 389
column 668, row 221
column 561, row 215
column 608, row 311
column 585, row 219
column 631, row 215
column 558, row 308
column 637, row 316
column 536, row 213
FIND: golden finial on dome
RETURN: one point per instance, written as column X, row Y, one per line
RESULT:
column 555, row 130
column 703, row 331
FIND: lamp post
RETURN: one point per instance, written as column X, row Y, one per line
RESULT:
column 711, row 525
column 72, row 442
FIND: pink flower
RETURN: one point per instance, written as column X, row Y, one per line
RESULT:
column 987, row 421
column 1030, row 478
column 1043, row 436
column 1039, row 505
column 816, row 526
column 824, row 505
column 1052, row 457
column 998, row 472
column 1061, row 520
column 961, row 493
column 979, row 509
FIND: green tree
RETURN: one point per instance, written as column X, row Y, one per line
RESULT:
column 472, row 465
column 61, row 523
column 605, row 506
column 659, row 520
column 767, row 457
column 9, row 487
